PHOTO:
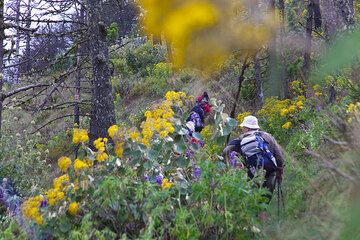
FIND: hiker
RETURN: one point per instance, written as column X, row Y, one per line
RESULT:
column 260, row 151
column 195, row 121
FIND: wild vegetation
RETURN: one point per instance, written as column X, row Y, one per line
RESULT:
column 94, row 104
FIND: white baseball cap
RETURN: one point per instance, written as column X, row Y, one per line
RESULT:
column 250, row 122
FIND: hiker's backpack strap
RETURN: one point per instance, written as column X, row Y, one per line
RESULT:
column 262, row 145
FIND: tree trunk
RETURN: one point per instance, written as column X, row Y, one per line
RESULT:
column 283, row 77
column 27, row 67
column 274, row 75
column 2, row 37
column 258, row 83
column 79, row 53
column 103, row 111
column 308, row 42
column 17, row 42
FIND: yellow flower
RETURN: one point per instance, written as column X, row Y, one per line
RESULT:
column 60, row 196
column 101, row 156
column 292, row 108
column 119, row 150
column 318, row 94
column 61, row 181
column 166, row 184
column 80, row 136
column 38, row 219
column 99, row 144
column 80, row 165
column 112, row 130
column 300, row 104
column 134, row 135
column 287, row 125
column 284, row 111
column 64, row 163
column 73, row 208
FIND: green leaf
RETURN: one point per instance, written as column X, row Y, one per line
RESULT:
column 180, row 148
column 64, row 225
column 153, row 154
column 220, row 140
column 148, row 164
column 182, row 162
column 232, row 122
column 197, row 136
column 226, row 130
column 194, row 147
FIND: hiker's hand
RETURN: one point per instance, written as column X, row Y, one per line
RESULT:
column 279, row 174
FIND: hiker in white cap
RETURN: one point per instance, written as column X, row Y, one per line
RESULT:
column 259, row 150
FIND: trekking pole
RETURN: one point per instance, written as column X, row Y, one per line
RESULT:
column 282, row 197
column 278, row 203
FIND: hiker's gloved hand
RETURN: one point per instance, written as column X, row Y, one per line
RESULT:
column 279, row 173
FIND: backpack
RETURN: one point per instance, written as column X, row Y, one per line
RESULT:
column 256, row 153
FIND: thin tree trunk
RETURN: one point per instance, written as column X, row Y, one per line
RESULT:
column 103, row 112
column 17, row 43
column 308, row 42
column 28, row 39
column 283, row 77
column 2, row 37
column 79, row 53
column 258, row 83
column 237, row 96
column 273, row 61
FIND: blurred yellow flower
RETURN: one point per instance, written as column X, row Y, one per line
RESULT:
column 73, row 208
column 287, row 125
column 64, row 163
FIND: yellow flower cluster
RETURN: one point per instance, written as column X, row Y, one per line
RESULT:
column 287, row 125
column 287, row 109
column 175, row 97
column 80, row 165
column 353, row 107
column 64, row 163
column 61, row 181
column 317, row 90
column 206, row 132
column 53, row 195
column 241, row 116
column 73, row 208
column 31, row 209
column 99, row 144
column 298, row 87
column 113, row 130
column 166, row 184
column 80, row 136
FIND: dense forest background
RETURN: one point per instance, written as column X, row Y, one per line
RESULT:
column 93, row 101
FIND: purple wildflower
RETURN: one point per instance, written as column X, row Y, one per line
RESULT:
column 197, row 172
column 146, row 178
column 201, row 143
column 43, row 203
column 189, row 154
column 159, row 179
column 233, row 159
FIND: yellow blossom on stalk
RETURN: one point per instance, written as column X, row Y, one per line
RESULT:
column 99, row 144
column 134, row 135
column 287, row 125
column 88, row 162
column 119, row 149
column 292, row 108
column 60, row 196
column 59, row 182
column 317, row 88
column 31, row 209
column 73, row 208
column 318, row 94
column 64, row 163
column 101, row 156
column 80, row 165
column 206, row 132
column 284, row 111
column 113, row 130
column 148, row 114
column 80, row 136
column 300, row 104
column 166, row 184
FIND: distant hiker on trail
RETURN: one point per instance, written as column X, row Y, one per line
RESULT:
column 260, row 151
column 195, row 121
